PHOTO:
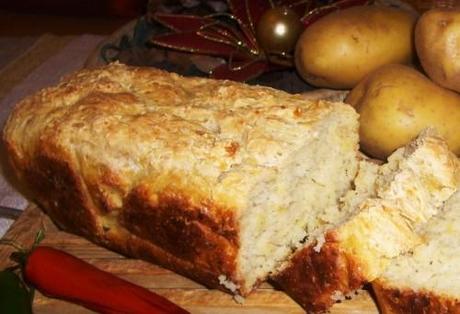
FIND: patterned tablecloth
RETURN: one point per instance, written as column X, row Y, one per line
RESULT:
column 28, row 64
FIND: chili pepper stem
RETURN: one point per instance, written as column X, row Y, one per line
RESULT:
column 26, row 291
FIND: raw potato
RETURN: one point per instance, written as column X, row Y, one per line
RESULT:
column 396, row 102
column 437, row 40
column 338, row 50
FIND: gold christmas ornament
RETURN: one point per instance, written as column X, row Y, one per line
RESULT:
column 278, row 30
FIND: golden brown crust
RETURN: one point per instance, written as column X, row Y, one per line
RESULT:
column 123, row 241
column 172, row 233
column 402, row 301
column 184, row 230
column 312, row 277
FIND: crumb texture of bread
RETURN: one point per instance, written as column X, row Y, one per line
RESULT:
column 426, row 279
column 381, row 221
column 216, row 180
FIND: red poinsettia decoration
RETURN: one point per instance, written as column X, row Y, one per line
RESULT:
column 232, row 35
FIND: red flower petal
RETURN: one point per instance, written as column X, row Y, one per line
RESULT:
column 255, row 9
column 248, row 13
column 207, row 27
column 223, row 33
column 240, row 71
column 194, row 43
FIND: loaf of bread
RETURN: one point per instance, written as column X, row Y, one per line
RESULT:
column 380, row 221
column 216, row 180
column 426, row 280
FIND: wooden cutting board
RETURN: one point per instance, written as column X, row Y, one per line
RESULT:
column 190, row 295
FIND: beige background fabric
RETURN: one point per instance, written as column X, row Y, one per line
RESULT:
column 38, row 63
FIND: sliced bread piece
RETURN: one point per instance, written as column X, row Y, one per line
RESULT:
column 427, row 279
column 378, row 226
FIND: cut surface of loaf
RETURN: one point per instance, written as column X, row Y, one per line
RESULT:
column 379, row 223
column 216, row 180
column 426, row 280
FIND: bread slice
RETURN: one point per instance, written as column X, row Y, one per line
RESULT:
column 426, row 280
column 378, row 225
column 216, row 180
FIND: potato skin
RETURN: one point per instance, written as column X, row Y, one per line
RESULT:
column 396, row 102
column 437, row 41
column 338, row 50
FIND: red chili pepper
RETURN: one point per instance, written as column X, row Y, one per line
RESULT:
column 60, row 275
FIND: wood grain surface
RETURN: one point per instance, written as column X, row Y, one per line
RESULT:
column 190, row 295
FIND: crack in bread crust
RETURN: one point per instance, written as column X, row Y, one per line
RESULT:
column 311, row 277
